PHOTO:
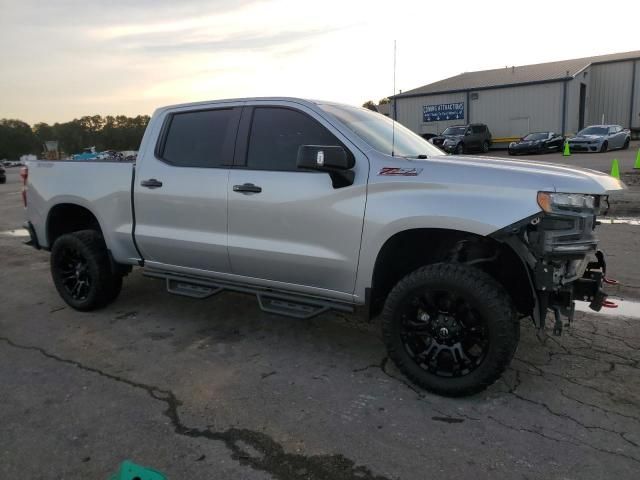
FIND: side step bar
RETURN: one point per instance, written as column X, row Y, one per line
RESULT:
column 270, row 301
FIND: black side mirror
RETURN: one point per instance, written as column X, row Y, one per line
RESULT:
column 334, row 160
column 324, row 158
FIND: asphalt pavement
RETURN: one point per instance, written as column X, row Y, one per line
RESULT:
column 217, row 389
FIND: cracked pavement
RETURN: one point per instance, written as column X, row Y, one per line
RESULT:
column 218, row 389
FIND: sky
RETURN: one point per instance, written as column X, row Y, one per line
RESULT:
column 62, row 59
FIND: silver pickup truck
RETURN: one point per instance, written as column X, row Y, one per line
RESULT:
column 313, row 206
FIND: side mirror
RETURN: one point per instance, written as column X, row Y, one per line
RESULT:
column 334, row 160
column 324, row 158
column 467, row 133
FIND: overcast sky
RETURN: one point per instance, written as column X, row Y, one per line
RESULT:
column 62, row 59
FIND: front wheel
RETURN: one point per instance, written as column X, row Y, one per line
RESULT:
column 459, row 149
column 82, row 272
column 604, row 147
column 450, row 328
column 485, row 147
column 626, row 144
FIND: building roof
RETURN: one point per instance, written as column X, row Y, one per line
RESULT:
column 524, row 74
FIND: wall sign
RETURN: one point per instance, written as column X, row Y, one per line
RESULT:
column 442, row 112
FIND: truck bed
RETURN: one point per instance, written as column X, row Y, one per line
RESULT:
column 102, row 187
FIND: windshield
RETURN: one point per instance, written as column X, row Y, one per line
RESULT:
column 536, row 136
column 377, row 130
column 454, row 131
column 594, row 131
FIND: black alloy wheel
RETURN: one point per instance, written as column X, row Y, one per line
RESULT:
column 82, row 271
column 73, row 269
column 450, row 328
column 443, row 333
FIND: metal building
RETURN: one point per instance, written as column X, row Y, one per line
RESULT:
column 559, row 96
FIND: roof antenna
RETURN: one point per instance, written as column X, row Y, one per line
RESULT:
column 393, row 117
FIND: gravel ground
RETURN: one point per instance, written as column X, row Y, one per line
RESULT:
column 218, row 389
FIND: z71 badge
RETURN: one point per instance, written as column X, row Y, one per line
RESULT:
column 400, row 172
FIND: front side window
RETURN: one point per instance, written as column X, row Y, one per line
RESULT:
column 477, row 129
column 277, row 134
column 200, row 139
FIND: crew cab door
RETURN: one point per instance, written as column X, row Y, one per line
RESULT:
column 291, row 226
column 180, row 190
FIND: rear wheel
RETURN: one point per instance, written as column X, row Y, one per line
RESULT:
column 450, row 328
column 81, row 271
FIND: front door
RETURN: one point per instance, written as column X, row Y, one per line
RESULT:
column 180, row 191
column 287, row 225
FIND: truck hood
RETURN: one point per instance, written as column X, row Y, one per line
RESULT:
column 537, row 175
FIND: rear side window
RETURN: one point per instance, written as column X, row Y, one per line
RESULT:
column 276, row 135
column 200, row 139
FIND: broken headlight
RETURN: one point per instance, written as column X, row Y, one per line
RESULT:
column 552, row 202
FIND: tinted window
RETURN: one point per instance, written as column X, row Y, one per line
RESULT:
column 536, row 136
column 200, row 139
column 477, row 129
column 276, row 135
column 454, row 131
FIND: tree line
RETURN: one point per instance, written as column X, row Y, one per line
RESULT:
column 118, row 132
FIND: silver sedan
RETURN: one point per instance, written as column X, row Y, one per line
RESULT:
column 600, row 138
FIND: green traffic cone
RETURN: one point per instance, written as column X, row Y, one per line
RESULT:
column 637, row 164
column 567, row 152
column 130, row 471
column 615, row 169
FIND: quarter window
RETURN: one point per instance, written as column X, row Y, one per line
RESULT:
column 201, row 139
column 276, row 135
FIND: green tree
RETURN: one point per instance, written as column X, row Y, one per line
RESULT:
column 384, row 101
column 370, row 105
column 16, row 139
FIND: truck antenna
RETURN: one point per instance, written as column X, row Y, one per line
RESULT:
column 393, row 113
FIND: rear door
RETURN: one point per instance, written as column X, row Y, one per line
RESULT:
column 295, row 227
column 180, row 191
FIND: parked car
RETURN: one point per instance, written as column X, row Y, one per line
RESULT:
column 537, row 142
column 3, row 175
column 600, row 138
column 428, row 136
column 312, row 206
column 464, row 138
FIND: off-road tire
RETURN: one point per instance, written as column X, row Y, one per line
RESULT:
column 488, row 297
column 105, row 284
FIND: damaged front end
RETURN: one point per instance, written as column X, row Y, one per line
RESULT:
column 559, row 247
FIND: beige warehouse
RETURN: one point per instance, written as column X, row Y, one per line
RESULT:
column 559, row 96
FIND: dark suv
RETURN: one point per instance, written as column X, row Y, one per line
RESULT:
column 464, row 138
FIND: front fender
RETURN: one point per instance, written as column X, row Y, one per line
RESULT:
column 404, row 204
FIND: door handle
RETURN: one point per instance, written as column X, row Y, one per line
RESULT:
column 247, row 188
column 151, row 183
